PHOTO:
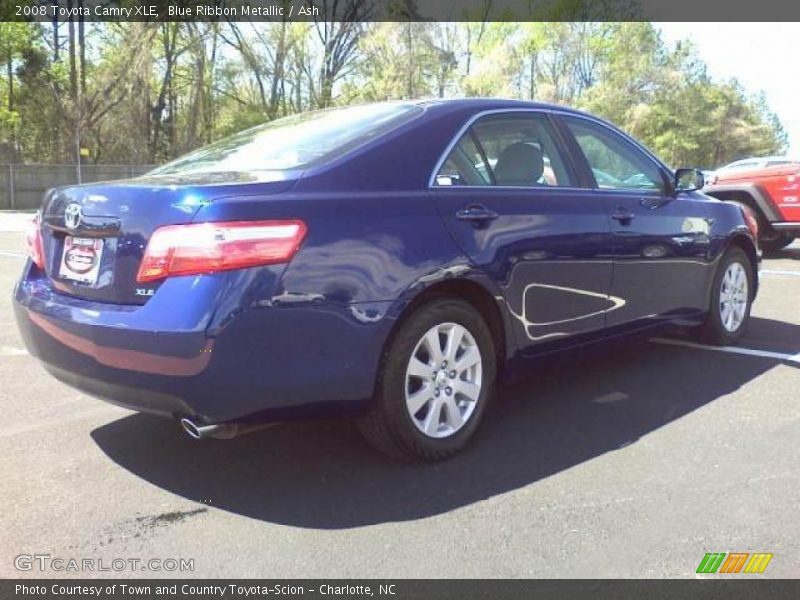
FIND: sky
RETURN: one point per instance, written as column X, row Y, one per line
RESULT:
column 762, row 56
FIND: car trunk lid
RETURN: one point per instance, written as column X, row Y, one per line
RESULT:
column 94, row 236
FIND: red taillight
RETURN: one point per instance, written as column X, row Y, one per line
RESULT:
column 207, row 247
column 33, row 241
column 751, row 220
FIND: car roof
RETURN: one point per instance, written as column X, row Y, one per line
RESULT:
column 759, row 159
column 490, row 104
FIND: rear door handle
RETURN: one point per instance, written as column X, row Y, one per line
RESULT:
column 477, row 214
column 623, row 215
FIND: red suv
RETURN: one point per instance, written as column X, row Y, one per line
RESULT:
column 770, row 188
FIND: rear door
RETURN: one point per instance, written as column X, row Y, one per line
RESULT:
column 511, row 198
column 661, row 239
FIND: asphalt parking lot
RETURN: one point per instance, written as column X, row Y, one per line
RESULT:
column 631, row 460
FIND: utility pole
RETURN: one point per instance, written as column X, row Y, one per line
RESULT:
column 11, row 202
column 78, row 149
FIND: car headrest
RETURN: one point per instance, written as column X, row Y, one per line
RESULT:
column 519, row 164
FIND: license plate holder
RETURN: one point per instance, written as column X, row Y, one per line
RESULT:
column 80, row 259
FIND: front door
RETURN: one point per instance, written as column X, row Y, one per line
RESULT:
column 510, row 197
column 661, row 240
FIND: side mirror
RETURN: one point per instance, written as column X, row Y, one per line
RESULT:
column 688, row 180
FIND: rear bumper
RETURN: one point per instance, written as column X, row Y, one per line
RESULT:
column 199, row 348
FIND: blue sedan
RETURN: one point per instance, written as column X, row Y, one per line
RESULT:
column 390, row 261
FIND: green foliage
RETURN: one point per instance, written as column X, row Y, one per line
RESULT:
column 15, row 38
column 667, row 100
column 147, row 92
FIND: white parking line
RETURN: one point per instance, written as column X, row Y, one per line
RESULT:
column 12, row 254
column 731, row 350
column 773, row 272
column 12, row 351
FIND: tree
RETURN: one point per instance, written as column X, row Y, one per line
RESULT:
column 147, row 92
column 339, row 33
column 15, row 38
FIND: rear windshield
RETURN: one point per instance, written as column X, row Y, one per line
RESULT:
column 295, row 141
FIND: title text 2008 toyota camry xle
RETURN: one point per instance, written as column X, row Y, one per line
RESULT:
column 389, row 261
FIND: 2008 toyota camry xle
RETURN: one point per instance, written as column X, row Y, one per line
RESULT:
column 389, row 261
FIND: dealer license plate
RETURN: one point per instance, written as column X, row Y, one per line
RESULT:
column 81, row 259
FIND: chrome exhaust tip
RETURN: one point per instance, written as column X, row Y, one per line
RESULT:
column 198, row 432
column 221, row 431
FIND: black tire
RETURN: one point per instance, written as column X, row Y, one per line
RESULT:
column 388, row 426
column 713, row 330
column 769, row 239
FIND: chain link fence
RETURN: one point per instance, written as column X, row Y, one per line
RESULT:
column 22, row 187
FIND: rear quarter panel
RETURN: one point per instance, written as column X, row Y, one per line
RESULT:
column 365, row 257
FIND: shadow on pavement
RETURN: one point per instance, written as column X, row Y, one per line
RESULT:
column 572, row 408
column 792, row 251
column 771, row 335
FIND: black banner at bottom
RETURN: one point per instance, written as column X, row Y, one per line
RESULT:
column 399, row 589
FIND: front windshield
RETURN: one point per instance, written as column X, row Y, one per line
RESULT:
column 294, row 141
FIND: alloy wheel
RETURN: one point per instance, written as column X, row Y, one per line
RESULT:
column 443, row 380
column 733, row 297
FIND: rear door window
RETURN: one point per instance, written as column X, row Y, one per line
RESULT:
column 508, row 149
column 465, row 165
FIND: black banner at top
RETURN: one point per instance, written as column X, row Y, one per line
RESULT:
column 398, row 10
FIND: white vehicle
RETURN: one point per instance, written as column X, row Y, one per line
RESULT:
column 757, row 163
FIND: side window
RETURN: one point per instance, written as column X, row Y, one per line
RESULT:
column 512, row 149
column 615, row 163
column 465, row 165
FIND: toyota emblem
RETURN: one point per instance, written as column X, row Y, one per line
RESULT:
column 72, row 215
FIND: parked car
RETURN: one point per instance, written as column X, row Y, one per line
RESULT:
column 770, row 189
column 357, row 261
column 749, row 164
